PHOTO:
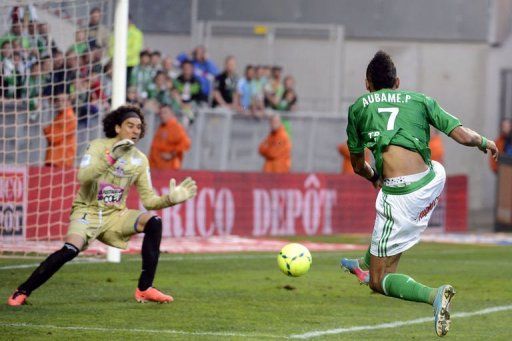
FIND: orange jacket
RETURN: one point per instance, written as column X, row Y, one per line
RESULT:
column 169, row 138
column 276, row 149
column 436, row 148
column 346, row 167
column 61, row 138
column 500, row 144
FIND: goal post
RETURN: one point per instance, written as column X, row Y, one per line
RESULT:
column 119, row 77
column 57, row 81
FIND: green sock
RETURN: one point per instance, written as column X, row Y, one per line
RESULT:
column 364, row 262
column 406, row 288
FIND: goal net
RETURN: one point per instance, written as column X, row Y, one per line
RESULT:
column 55, row 85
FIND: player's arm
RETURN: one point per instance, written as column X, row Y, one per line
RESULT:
column 357, row 157
column 177, row 194
column 150, row 200
column 93, row 163
column 364, row 169
column 451, row 126
column 470, row 138
column 98, row 158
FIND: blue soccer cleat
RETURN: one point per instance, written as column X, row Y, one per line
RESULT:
column 352, row 266
column 442, row 309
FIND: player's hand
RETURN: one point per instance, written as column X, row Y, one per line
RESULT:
column 377, row 184
column 121, row 147
column 184, row 191
column 491, row 146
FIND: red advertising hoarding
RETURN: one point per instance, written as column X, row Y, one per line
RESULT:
column 243, row 204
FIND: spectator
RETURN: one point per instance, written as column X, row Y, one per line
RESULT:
column 244, row 91
column 168, row 68
column 79, row 96
column 224, row 93
column 141, row 75
column 71, row 67
column 46, row 72
column 97, row 34
column 80, row 46
column 346, row 167
column 47, row 46
column 5, row 51
column 57, row 84
column 188, row 85
column 257, row 92
column 85, row 64
column 289, row 99
column 132, row 97
column 266, row 73
column 13, row 75
column 34, row 49
column 15, row 34
column 156, row 62
column 436, row 146
column 276, row 148
column 274, row 89
column 162, row 91
column 96, row 60
column 169, row 143
column 34, row 86
column 133, row 48
column 503, row 142
column 106, row 80
column 61, row 135
column 204, row 68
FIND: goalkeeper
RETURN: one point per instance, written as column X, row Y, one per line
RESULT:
column 107, row 170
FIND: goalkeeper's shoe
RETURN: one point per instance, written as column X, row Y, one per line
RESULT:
column 352, row 266
column 17, row 298
column 152, row 295
column 442, row 309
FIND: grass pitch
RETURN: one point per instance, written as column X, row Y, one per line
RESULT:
column 245, row 296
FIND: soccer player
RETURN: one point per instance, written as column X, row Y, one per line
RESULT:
column 107, row 170
column 394, row 125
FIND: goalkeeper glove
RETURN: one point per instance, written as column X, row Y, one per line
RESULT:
column 184, row 191
column 121, row 147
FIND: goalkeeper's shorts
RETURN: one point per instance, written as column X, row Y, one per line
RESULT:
column 404, row 207
column 114, row 228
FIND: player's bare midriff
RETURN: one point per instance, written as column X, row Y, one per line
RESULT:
column 399, row 161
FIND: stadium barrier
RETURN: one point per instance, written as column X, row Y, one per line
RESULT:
column 35, row 204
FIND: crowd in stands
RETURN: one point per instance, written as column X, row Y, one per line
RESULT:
column 76, row 82
column 188, row 82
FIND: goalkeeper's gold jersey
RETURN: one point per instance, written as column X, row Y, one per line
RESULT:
column 105, row 187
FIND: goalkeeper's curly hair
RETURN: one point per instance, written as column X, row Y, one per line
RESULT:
column 116, row 117
column 381, row 71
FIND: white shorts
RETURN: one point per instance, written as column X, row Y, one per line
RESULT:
column 404, row 206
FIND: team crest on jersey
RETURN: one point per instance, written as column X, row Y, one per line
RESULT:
column 119, row 169
column 110, row 194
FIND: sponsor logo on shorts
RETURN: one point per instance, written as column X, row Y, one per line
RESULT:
column 110, row 194
column 427, row 209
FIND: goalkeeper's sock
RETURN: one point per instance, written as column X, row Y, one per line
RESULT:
column 406, row 288
column 48, row 267
column 150, row 252
column 364, row 262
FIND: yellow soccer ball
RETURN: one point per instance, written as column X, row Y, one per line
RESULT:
column 294, row 260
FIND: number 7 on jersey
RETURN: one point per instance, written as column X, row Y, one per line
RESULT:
column 392, row 117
